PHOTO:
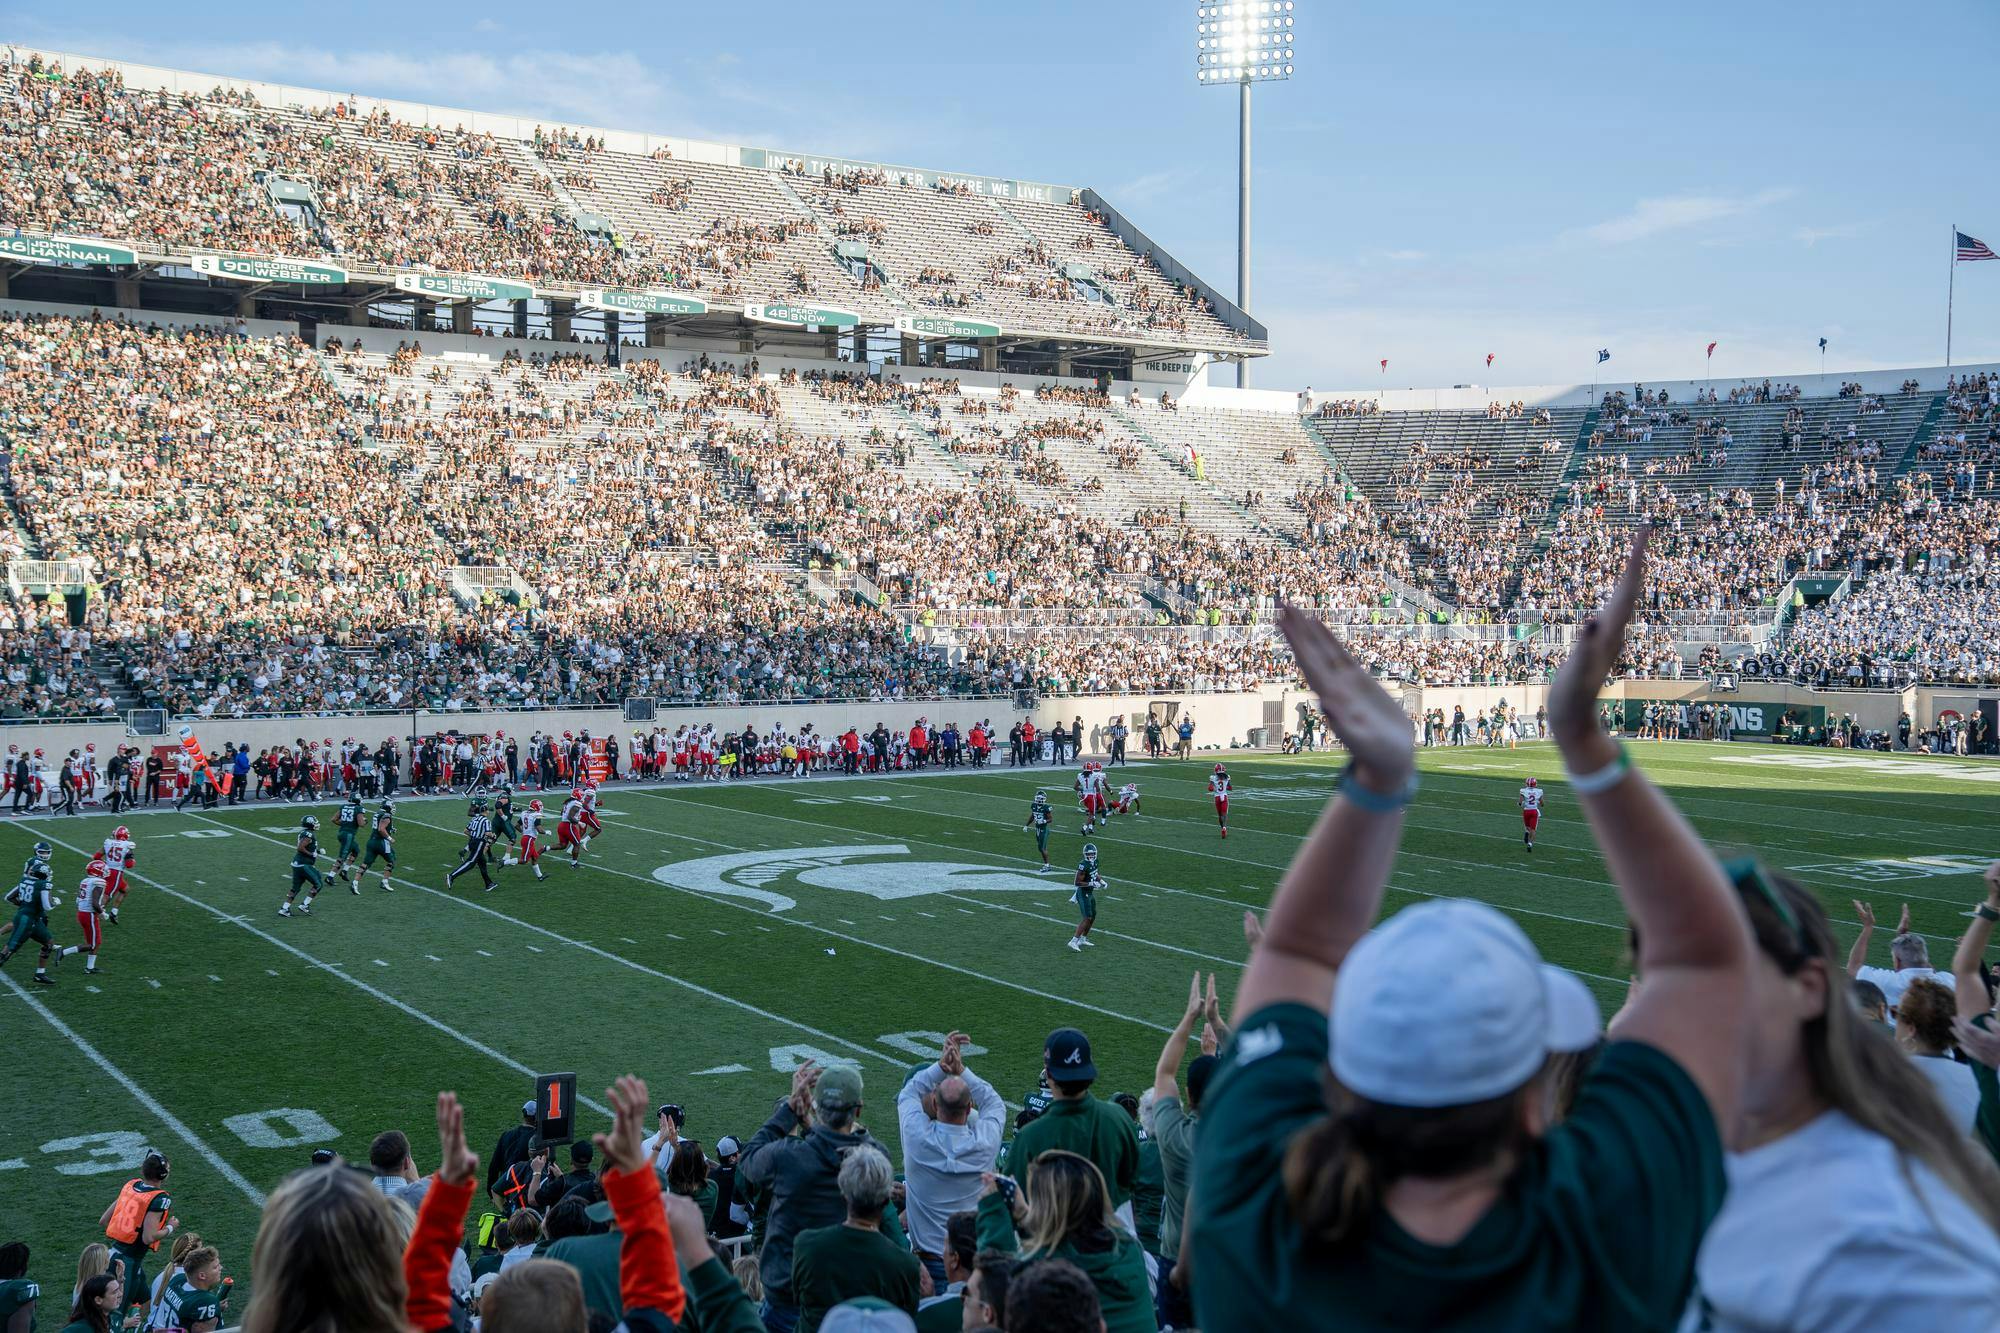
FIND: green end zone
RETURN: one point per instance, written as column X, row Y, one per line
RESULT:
column 719, row 934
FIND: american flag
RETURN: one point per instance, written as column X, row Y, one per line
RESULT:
column 1971, row 248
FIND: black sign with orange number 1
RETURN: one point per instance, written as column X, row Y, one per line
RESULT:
column 555, row 1107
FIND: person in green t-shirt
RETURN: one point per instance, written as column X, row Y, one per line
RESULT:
column 853, row 1259
column 96, row 1308
column 1065, row 1213
column 18, row 1295
column 1077, row 1122
column 193, row 1299
column 1149, row 1186
column 1439, row 1189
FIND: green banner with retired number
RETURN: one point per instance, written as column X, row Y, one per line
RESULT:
column 642, row 303
column 942, row 326
column 802, row 316
column 464, row 287
column 258, row 268
column 66, row 250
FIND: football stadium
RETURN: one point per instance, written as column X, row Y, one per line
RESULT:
column 609, row 729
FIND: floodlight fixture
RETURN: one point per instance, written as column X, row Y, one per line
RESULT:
column 1242, row 42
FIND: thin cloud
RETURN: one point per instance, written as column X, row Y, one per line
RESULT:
column 1152, row 186
column 1838, row 232
column 1677, row 212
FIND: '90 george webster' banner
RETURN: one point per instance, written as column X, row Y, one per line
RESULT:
column 256, row 268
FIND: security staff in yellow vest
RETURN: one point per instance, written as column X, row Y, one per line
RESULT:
column 137, row 1221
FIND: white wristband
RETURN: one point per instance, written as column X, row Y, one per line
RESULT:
column 1604, row 779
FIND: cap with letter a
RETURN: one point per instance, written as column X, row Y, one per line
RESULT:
column 1067, row 1056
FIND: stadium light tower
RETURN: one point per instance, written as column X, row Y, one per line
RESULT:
column 1243, row 42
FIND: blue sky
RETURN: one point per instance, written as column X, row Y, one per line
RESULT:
column 1440, row 180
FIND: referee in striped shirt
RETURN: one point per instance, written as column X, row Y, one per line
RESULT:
column 478, row 838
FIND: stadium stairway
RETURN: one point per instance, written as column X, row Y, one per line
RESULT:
column 1228, row 502
column 891, row 289
column 1926, row 431
column 1537, row 545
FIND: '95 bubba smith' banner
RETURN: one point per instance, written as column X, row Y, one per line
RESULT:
column 66, row 250
column 464, row 287
column 256, row 268
column 802, row 316
column 641, row 303
column 941, row 326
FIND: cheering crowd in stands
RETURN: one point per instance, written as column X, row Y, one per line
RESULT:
column 274, row 529
column 1406, row 1123
column 83, row 154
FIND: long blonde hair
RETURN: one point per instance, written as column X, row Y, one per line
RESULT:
column 95, row 1259
column 1855, row 1067
column 1067, row 1199
column 328, row 1258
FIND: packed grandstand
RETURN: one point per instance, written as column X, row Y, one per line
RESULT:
column 313, row 407
column 348, row 520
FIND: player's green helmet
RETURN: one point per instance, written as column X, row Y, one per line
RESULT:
column 309, row 823
column 1090, row 851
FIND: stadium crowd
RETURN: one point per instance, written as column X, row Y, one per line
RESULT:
column 273, row 529
column 1416, row 1124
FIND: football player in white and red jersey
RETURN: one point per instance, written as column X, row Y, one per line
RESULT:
column 589, row 818
column 1531, row 812
column 119, row 855
column 1218, row 787
column 683, row 752
column 531, row 838
column 90, row 911
column 1090, row 792
column 569, row 829
column 1127, row 802
column 7, row 773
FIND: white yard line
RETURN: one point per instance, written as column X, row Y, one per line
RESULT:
column 609, row 956
column 862, row 941
column 334, row 970
column 139, row 1094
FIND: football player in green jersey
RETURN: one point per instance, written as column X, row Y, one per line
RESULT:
column 506, row 824
column 347, row 827
column 193, row 1298
column 381, row 846
column 33, row 899
column 1040, row 817
column 305, row 869
column 1088, row 882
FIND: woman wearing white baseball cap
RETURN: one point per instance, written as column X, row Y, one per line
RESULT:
column 1379, row 1148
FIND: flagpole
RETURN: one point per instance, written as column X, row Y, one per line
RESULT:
column 1950, row 291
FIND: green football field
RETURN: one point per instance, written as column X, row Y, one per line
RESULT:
column 721, row 933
